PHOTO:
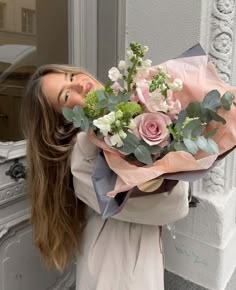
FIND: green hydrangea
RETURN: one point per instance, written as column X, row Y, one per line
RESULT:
column 91, row 101
column 132, row 108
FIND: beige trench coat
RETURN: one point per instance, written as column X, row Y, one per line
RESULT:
column 122, row 252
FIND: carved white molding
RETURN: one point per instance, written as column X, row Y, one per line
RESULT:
column 217, row 34
column 12, row 150
column 66, row 281
column 12, row 221
column 12, row 193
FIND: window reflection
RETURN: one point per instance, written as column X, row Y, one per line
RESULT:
column 32, row 33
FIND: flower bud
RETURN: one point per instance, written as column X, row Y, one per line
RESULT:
column 122, row 65
column 145, row 49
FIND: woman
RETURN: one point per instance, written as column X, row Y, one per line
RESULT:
column 120, row 253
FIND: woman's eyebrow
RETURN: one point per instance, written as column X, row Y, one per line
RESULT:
column 62, row 89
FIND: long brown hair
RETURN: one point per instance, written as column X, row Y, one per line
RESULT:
column 57, row 215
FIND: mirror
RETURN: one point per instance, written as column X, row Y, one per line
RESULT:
column 32, row 33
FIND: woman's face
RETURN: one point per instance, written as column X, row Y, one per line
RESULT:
column 67, row 89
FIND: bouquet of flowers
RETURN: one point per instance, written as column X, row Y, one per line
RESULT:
column 153, row 121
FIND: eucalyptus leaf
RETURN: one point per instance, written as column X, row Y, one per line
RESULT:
column 77, row 123
column 101, row 95
column 216, row 117
column 101, row 104
column 68, row 114
column 212, row 100
column 202, row 143
column 193, row 126
column 85, row 124
column 78, row 112
column 191, row 146
column 213, row 146
column 143, row 155
column 194, row 109
column 152, row 149
column 130, row 143
column 181, row 117
column 227, row 100
column 179, row 146
column 211, row 133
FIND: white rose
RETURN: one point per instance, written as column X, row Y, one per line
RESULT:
column 114, row 74
column 122, row 65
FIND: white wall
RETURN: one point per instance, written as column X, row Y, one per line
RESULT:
column 204, row 250
column 168, row 27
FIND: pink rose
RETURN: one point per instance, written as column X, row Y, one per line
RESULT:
column 174, row 105
column 141, row 93
column 156, row 103
column 151, row 127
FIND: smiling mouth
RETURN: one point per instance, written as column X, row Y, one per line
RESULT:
column 89, row 86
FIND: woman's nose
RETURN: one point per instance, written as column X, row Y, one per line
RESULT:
column 77, row 87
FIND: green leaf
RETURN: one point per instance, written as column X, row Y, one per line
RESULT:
column 130, row 143
column 101, row 95
column 192, row 128
column 152, row 149
column 179, row 146
column 143, row 155
column 181, row 117
column 216, row 117
column 212, row 100
column 191, row 146
column 227, row 100
column 194, row 109
column 213, row 146
column 101, row 104
column 77, row 123
column 85, row 124
column 202, row 143
column 78, row 112
column 68, row 114
column 211, row 133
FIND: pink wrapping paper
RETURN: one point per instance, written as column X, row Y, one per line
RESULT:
column 199, row 77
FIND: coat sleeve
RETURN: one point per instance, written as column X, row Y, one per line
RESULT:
column 157, row 209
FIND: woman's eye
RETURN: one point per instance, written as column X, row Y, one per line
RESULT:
column 71, row 77
column 67, row 95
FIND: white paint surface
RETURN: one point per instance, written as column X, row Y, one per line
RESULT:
column 166, row 27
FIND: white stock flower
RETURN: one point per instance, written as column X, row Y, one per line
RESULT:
column 177, row 85
column 129, row 53
column 132, row 124
column 145, row 48
column 116, row 140
column 147, row 63
column 114, row 74
column 104, row 123
column 122, row 65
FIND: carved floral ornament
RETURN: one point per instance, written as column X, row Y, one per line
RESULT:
column 225, row 6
